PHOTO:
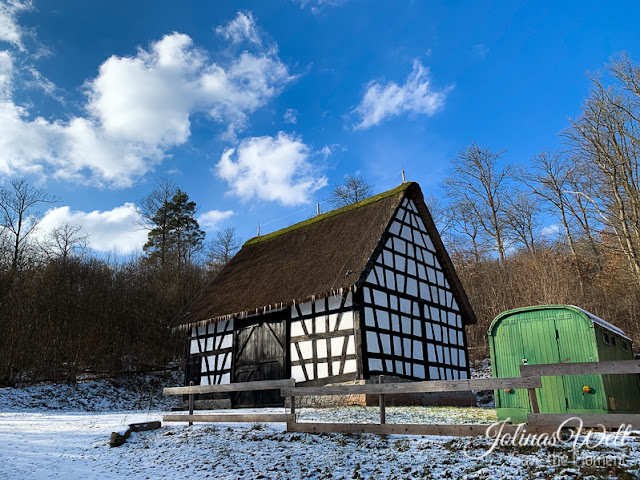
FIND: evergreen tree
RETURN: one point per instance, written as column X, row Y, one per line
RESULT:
column 176, row 235
column 154, row 210
column 186, row 235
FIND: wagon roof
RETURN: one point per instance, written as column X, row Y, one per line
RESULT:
column 603, row 323
column 590, row 316
column 326, row 255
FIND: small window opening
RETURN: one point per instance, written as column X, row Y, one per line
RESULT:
column 625, row 346
column 605, row 337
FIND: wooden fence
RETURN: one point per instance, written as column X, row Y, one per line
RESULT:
column 193, row 390
column 530, row 379
column 288, row 389
column 607, row 420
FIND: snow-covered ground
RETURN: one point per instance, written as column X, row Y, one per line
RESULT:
column 75, row 445
column 127, row 393
column 63, row 432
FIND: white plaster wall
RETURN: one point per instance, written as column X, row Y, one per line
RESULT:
column 219, row 336
column 342, row 322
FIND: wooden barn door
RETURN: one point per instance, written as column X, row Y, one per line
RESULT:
column 540, row 345
column 260, row 354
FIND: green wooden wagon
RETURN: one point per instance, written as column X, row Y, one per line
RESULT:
column 561, row 334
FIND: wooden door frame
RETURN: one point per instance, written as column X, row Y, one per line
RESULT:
column 253, row 323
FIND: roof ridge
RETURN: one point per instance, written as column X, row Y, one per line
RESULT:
column 332, row 213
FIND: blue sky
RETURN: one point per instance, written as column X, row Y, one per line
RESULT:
column 256, row 108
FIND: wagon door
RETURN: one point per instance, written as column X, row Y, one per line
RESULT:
column 540, row 345
column 508, row 355
column 577, row 344
column 260, row 354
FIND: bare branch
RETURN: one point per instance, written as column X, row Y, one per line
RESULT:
column 351, row 191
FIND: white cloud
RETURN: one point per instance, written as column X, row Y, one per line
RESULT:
column 317, row 5
column 211, row 220
column 138, row 107
column 271, row 168
column 291, row 116
column 10, row 30
column 326, row 151
column 550, row 230
column 241, row 28
column 114, row 230
column 480, row 50
column 40, row 81
column 390, row 100
column 6, row 75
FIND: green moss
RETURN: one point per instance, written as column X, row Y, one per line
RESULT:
column 332, row 213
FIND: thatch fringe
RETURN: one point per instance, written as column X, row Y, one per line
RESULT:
column 265, row 309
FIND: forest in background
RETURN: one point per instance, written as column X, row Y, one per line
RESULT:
column 562, row 227
column 64, row 309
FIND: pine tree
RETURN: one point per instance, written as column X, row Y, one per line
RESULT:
column 176, row 235
column 154, row 210
column 185, row 234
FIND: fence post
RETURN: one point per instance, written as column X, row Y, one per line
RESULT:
column 292, row 384
column 191, row 402
column 381, row 404
column 533, row 399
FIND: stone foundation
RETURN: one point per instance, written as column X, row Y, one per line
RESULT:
column 212, row 404
column 332, row 400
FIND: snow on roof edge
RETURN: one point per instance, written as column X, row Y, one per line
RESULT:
column 603, row 323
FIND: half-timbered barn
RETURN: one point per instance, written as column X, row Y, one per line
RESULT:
column 361, row 291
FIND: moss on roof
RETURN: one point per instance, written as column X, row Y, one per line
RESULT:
column 332, row 213
column 326, row 255
column 312, row 259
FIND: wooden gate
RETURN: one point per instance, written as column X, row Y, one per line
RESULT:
column 260, row 354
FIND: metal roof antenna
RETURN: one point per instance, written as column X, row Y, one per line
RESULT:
column 403, row 180
column 317, row 209
column 258, row 230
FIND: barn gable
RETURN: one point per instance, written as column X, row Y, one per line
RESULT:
column 413, row 323
column 365, row 289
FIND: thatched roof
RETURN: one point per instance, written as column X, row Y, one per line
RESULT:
column 325, row 255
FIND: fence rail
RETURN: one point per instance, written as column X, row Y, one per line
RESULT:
column 589, row 420
column 415, row 387
column 530, row 379
column 230, row 387
column 232, row 418
column 193, row 390
column 619, row 367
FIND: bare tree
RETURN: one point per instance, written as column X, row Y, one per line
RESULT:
column 18, row 215
column 606, row 139
column 439, row 214
column 583, row 188
column 223, row 247
column 465, row 224
column 522, row 215
column 478, row 181
column 351, row 191
column 549, row 178
column 64, row 241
